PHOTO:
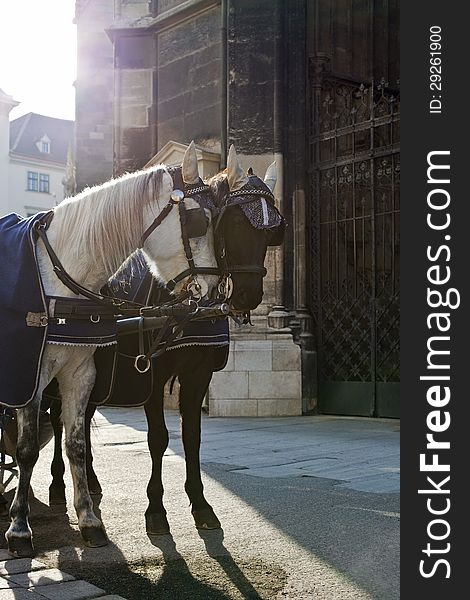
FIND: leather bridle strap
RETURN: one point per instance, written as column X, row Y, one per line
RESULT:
column 192, row 269
column 185, row 237
column 107, row 303
column 156, row 222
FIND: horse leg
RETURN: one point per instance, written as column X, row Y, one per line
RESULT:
column 19, row 535
column 193, row 386
column 156, row 522
column 93, row 483
column 57, row 487
column 74, row 404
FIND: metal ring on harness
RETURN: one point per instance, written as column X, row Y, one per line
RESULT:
column 197, row 289
column 95, row 318
column 147, row 366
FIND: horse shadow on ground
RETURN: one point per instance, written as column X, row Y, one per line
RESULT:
column 168, row 576
column 176, row 569
column 356, row 533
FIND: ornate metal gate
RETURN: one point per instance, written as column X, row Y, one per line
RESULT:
column 354, row 243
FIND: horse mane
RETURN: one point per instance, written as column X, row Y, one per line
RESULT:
column 107, row 220
column 219, row 187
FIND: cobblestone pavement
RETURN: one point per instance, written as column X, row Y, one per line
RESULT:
column 309, row 508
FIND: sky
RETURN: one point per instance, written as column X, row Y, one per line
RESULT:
column 38, row 56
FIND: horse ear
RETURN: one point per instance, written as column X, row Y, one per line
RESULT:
column 249, row 172
column 189, row 169
column 235, row 176
column 271, row 176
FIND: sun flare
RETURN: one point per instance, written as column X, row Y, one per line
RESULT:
column 38, row 56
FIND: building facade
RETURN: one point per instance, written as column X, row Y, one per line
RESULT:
column 34, row 159
column 312, row 84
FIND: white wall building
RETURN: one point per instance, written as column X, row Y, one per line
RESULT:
column 33, row 160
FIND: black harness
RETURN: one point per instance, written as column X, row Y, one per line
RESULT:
column 194, row 223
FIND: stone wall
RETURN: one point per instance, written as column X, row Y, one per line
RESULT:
column 189, row 85
column 262, row 376
column 167, row 85
column 135, row 101
column 94, row 93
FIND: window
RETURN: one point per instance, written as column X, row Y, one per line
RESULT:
column 44, row 183
column 43, row 144
column 38, row 182
column 32, row 181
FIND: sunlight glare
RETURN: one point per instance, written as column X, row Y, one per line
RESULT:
column 38, row 56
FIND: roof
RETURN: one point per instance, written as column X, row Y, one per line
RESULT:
column 27, row 130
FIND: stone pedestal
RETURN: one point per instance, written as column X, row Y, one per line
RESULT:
column 262, row 377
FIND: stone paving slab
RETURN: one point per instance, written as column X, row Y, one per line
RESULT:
column 19, row 594
column 29, row 579
column 69, row 590
column 20, row 565
column 38, row 578
column 7, row 584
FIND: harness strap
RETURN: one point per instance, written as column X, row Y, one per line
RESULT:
column 156, row 222
column 185, row 238
column 104, row 301
column 153, row 351
column 170, row 285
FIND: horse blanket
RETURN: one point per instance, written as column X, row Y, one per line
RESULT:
column 118, row 383
column 22, row 302
column 21, row 292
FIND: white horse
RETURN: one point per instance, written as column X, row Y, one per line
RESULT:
column 92, row 234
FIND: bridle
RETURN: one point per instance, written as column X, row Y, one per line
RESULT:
column 238, row 198
column 108, row 307
column 193, row 222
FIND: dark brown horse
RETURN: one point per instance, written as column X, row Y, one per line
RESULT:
column 248, row 223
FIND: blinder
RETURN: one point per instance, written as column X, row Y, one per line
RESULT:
column 258, row 205
column 197, row 222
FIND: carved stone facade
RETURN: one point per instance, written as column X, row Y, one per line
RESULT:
column 248, row 73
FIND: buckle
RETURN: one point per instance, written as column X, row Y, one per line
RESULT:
column 36, row 319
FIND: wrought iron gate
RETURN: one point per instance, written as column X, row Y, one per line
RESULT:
column 354, row 244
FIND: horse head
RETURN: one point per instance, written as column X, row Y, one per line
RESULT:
column 185, row 247
column 247, row 223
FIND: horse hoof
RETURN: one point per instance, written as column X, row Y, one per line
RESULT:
column 94, row 487
column 20, row 547
column 94, row 537
column 157, row 524
column 205, row 518
column 56, row 496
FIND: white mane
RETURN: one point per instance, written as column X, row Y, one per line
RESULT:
column 106, row 221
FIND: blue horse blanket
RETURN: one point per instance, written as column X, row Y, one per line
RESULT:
column 117, row 381
column 21, row 346
column 22, row 302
